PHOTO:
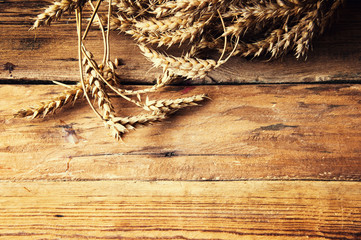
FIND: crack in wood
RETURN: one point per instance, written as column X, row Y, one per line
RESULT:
column 275, row 127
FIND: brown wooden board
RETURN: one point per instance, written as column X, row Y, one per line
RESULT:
column 180, row 210
column 270, row 161
column 243, row 132
column 50, row 53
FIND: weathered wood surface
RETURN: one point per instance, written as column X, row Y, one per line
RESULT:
column 243, row 132
column 280, row 161
column 336, row 55
column 180, row 210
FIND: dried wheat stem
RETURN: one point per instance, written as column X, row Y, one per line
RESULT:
column 78, row 13
column 95, row 10
column 99, row 22
column 107, row 49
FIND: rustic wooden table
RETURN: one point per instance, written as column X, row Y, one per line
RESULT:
column 275, row 153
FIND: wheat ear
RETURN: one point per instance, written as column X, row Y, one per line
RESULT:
column 64, row 99
column 55, row 11
column 121, row 125
column 280, row 41
column 170, row 38
column 327, row 18
column 172, row 105
column 163, row 80
column 251, row 18
column 186, row 67
column 97, row 89
column 154, row 25
column 129, row 7
column 171, row 7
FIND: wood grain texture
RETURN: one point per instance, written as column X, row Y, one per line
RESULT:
column 279, row 161
column 180, row 210
column 336, row 55
column 244, row 132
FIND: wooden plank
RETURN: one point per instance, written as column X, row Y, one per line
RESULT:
column 180, row 210
column 243, row 132
column 50, row 53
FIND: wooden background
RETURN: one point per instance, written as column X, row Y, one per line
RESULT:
column 275, row 153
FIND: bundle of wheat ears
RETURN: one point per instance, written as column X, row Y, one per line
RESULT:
column 247, row 28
